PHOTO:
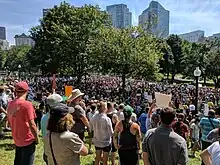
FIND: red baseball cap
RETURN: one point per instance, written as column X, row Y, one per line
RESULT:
column 21, row 86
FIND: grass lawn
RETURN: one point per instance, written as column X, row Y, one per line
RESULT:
column 7, row 154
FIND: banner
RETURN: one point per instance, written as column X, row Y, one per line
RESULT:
column 68, row 90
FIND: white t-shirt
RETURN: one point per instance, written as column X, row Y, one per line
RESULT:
column 192, row 107
column 195, row 131
column 214, row 151
column 120, row 115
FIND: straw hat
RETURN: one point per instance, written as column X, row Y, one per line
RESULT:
column 75, row 94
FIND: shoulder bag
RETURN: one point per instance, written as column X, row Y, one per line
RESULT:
column 51, row 148
column 211, row 123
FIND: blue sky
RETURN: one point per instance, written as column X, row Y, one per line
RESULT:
column 19, row 16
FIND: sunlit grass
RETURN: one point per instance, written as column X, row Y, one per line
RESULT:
column 7, row 154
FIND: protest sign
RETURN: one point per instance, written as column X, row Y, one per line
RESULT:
column 68, row 90
column 162, row 100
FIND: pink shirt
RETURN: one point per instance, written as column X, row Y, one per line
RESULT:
column 20, row 112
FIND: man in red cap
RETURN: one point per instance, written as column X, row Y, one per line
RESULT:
column 21, row 115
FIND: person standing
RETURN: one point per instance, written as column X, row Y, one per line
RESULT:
column 194, row 134
column 101, row 125
column 211, row 155
column 162, row 145
column 63, row 147
column 51, row 101
column 79, row 115
column 180, row 127
column 127, row 136
column 21, row 115
column 142, row 120
column 3, row 106
column 207, row 124
column 110, row 113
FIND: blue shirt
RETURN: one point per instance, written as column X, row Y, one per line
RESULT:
column 44, row 122
column 142, row 121
column 206, row 127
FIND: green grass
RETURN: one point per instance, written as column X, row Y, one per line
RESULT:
column 7, row 154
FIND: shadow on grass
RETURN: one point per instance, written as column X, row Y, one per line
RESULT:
column 7, row 146
column 90, row 163
column 7, row 137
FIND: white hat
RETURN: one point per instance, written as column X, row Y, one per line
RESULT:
column 54, row 99
column 75, row 94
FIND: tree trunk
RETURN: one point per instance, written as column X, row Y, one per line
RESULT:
column 204, row 80
column 172, row 79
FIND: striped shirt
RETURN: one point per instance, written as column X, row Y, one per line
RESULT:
column 206, row 126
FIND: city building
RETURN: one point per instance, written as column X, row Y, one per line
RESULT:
column 195, row 36
column 23, row 40
column 120, row 15
column 45, row 11
column 2, row 33
column 217, row 35
column 4, row 44
column 155, row 19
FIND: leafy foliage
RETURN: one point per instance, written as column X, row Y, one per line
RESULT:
column 175, row 44
column 63, row 36
column 126, row 52
column 17, row 56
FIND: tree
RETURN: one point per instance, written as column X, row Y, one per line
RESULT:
column 2, row 58
column 213, row 68
column 167, row 61
column 126, row 52
column 63, row 36
column 175, row 44
column 17, row 56
column 196, row 57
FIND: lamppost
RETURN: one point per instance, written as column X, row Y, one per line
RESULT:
column 197, row 74
column 19, row 71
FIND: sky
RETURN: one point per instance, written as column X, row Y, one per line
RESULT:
column 18, row 16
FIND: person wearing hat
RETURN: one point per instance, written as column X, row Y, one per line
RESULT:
column 51, row 101
column 128, row 143
column 21, row 115
column 79, row 115
column 63, row 147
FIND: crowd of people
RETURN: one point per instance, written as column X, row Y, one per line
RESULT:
column 132, row 125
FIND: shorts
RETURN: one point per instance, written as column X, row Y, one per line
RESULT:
column 113, row 148
column 104, row 149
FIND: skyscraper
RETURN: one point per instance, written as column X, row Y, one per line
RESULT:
column 120, row 15
column 2, row 33
column 155, row 19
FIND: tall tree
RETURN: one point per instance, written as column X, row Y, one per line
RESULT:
column 175, row 44
column 196, row 57
column 18, row 56
column 63, row 36
column 126, row 52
